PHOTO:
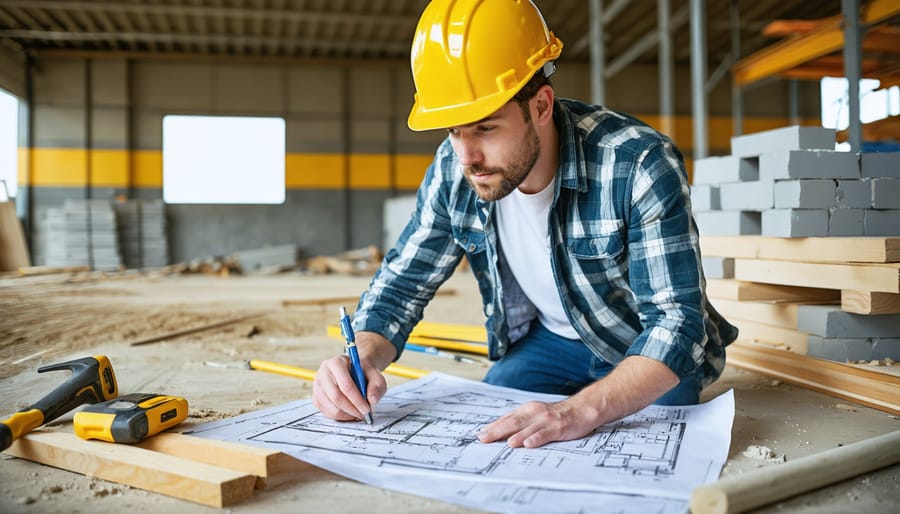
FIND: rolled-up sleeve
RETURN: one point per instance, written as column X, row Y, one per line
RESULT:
column 664, row 267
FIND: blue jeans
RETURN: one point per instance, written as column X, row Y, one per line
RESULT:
column 547, row 363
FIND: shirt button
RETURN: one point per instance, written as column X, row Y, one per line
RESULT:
column 472, row 247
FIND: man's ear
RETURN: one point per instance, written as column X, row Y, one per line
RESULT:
column 543, row 102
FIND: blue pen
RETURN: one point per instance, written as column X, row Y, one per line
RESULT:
column 358, row 376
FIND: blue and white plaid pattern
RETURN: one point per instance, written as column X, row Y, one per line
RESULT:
column 625, row 250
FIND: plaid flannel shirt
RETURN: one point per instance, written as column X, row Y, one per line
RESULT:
column 624, row 249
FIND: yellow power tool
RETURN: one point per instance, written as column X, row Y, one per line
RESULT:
column 130, row 418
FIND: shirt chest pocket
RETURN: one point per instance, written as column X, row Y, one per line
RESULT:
column 472, row 241
column 601, row 252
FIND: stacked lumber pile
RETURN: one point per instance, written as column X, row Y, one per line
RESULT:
column 801, row 250
column 832, row 298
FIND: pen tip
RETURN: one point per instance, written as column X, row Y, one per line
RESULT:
column 368, row 418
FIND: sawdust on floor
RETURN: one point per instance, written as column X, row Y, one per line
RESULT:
column 48, row 319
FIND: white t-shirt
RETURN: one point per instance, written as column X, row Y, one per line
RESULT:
column 525, row 238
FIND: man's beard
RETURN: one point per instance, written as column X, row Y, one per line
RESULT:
column 512, row 175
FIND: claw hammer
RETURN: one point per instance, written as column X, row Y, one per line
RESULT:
column 92, row 381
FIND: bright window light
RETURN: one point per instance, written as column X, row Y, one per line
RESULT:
column 9, row 162
column 873, row 105
column 223, row 159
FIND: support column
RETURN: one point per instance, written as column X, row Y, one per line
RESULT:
column 698, row 78
column 598, row 89
column 666, row 78
column 737, row 104
column 852, row 68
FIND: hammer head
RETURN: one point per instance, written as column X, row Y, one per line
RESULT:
column 93, row 381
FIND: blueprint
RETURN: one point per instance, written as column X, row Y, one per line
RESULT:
column 424, row 442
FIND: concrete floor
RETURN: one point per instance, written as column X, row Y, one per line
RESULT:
column 51, row 319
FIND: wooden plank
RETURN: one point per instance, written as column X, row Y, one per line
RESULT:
column 13, row 250
column 878, row 390
column 782, row 315
column 194, row 330
column 785, row 338
column 806, row 249
column 884, row 278
column 867, row 302
column 730, row 289
column 270, row 466
column 137, row 467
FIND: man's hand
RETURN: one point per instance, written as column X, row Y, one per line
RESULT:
column 334, row 392
column 635, row 383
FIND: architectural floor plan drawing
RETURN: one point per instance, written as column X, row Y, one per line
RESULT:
column 425, row 431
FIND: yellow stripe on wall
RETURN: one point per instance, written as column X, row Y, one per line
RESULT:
column 109, row 168
column 147, row 168
column 58, row 167
column 314, row 171
column 65, row 167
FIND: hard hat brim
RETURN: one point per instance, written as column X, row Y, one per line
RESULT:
column 421, row 118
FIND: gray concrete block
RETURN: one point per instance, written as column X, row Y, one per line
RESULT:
column 883, row 223
column 886, row 348
column 794, row 164
column 758, row 195
column 832, row 323
column 840, row 350
column 805, row 194
column 718, row 267
column 885, row 193
column 846, row 222
column 854, row 194
column 282, row 256
column 728, row 223
column 705, row 197
column 719, row 170
column 795, row 223
column 880, row 164
column 788, row 138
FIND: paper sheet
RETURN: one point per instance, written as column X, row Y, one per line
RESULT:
column 424, row 442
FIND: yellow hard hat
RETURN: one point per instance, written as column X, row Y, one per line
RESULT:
column 469, row 57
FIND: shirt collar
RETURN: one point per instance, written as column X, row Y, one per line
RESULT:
column 572, row 172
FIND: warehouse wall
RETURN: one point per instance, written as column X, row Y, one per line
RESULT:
column 98, row 133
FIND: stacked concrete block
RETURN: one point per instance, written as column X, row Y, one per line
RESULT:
column 842, row 336
column 142, row 233
column 787, row 138
column 798, row 186
column 80, row 233
column 716, row 178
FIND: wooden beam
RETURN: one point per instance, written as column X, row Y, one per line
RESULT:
column 782, row 315
column 806, row 249
column 270, row 466
column 730, row 289
column 744, row 492
column 194, row 330
column 866, row 302
column 826, row 39
column 878, row 390
column 883, row 278
column 789, row 339
column 137, row 467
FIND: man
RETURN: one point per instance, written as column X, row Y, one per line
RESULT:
column 575, row 221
